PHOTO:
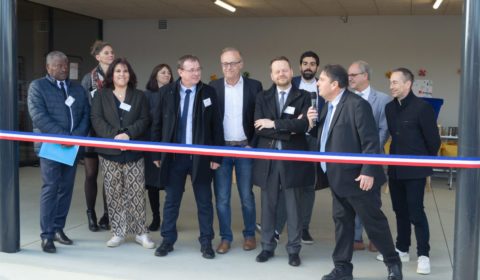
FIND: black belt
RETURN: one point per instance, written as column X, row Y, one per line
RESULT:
column 241, row 143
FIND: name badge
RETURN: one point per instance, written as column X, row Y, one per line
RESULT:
column 92, row 93
column 125, row 107
column 69, row 101
column 207, row 102
column 289, row 110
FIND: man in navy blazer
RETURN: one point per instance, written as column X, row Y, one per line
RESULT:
column 236, row 105
column 57, row 106
column 359, row 74
column 347, row 126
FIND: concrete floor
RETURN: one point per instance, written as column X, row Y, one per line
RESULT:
column 89, row 258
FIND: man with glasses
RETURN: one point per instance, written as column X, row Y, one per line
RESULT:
column 359, row 74
column 187, row 113
column 236, row 100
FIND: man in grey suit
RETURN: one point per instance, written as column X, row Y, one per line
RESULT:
column 359, row 74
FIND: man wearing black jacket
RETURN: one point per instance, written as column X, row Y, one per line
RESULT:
column 411, row 122
column 236, row 99
column 280, row 123
column 187, row 113
column 346, row 125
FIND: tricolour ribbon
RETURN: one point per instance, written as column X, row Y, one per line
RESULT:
column 376, row 159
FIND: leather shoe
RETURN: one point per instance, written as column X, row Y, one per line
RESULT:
column 163, row 249
column 61, row 238
column 264, row 256
column 250, row 243
column 207, row 251
column 223, row 247
column 339, row 273
column 294, row 259
column 48, row 246
column 395, row 272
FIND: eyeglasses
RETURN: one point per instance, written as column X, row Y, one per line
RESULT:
column 230, row 64
column 196, row 70
column 356, row 74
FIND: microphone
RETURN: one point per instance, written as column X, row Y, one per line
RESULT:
column 313, row 97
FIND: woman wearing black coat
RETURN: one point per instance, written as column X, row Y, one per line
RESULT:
column 121, row 112
column 161, row 75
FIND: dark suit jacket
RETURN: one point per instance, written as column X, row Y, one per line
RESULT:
column 107, row 123
column 207, row 128
column 414, row 132
column 352, row 130
column 250, row 90
column 288, row 128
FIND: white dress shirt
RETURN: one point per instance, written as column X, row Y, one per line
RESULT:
column 233, row 116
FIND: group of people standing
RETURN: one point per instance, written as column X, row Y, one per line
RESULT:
column 296, row 113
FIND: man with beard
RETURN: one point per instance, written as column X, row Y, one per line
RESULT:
column 309, row 63
column 280, row 123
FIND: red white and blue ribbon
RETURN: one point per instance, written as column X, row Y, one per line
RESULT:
column 380, row 159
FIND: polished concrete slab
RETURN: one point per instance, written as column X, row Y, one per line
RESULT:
column 89, row 258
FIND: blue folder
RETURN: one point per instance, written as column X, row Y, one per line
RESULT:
column 59, row 153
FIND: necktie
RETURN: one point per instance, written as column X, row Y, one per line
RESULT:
column 182, row 133
column 281, row 103
column 67, row 108
column 323, row 138
column 62, row 87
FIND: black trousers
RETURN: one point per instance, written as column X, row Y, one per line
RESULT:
column 367, row 207
column 407, row 201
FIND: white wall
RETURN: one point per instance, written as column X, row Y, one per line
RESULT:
column 430, row 42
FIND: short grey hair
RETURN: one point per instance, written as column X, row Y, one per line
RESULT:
column 364, row 67
column 231, row 49
column 53, row 54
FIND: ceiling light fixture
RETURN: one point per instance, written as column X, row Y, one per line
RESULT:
column 224, row 5
column 437, row 4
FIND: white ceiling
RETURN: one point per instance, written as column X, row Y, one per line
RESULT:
column 167, row 9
